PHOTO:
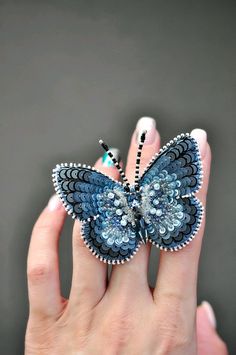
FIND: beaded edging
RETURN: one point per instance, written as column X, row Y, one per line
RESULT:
column 191, row 195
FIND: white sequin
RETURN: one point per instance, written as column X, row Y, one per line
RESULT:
column 116, row 203
column 162, row 230
column 155, row 201
column 123, row 222
column 156, row 186
column 119, row 212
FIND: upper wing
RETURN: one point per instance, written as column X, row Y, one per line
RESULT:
column 78, row 187
column 108, row 226
column 180, row 162
column 171, row 214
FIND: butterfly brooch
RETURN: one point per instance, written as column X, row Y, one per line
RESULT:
column 160, row 207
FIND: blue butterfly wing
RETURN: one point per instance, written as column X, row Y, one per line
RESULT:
column 181, row 160
column 171, row 213
column 100, row 203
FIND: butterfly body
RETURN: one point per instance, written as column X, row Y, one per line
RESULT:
column 117, row 218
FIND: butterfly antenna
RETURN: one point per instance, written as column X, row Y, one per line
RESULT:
column 115, row 162
column 140, row 147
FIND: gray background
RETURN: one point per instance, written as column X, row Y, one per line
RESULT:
column 74, row 71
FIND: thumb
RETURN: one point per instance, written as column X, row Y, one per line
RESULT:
column 208, row 340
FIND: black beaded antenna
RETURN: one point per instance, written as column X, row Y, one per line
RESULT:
column 140, row 147
column 117, row 165
column 137, row 166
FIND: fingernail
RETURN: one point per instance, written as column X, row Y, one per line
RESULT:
column 148, row 124
column 54, row 203
column 210, row 313
column 106, row 160
column 201, row 137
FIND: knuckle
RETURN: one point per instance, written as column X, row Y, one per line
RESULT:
column 169, row 344
column 118, row 327
column 173, row 325
column 39, row 272
column 39, row 337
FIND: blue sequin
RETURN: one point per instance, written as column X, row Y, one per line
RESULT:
column 164, row 211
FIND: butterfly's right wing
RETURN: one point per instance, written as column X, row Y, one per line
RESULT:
column 100, row 203
column 168, row 186
column 180, row 162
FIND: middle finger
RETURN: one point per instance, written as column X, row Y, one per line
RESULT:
column 134, row 273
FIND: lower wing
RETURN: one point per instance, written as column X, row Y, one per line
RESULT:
column 100, row 203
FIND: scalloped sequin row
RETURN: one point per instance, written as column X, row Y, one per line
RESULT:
column 115, row 222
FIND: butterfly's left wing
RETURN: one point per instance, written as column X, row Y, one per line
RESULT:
column 100, row 203
column 171, row 212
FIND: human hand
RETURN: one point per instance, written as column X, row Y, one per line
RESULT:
column 122, row 315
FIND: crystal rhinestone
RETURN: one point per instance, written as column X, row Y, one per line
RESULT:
column 152, row 210
column 119, row 212
column 110, row 195
column 156, row 186
column 158, row 212
column 151, row 193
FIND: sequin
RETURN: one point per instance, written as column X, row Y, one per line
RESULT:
column 162, row 230
column 123, row 222
column 119, row 212
column 155, row 201
column 159, row 210
column 156, row 186
column 116, row 203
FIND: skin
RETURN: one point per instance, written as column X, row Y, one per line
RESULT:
column 122, row 315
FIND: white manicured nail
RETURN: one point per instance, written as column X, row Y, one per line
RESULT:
column 148, row 124
column 54, row 203
column 201, row 137
column 210, row 313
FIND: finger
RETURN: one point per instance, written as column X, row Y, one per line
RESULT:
column 134, row 273
column 208, row 341
column 42, row 264
column 89, row 273
column 177, row 274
